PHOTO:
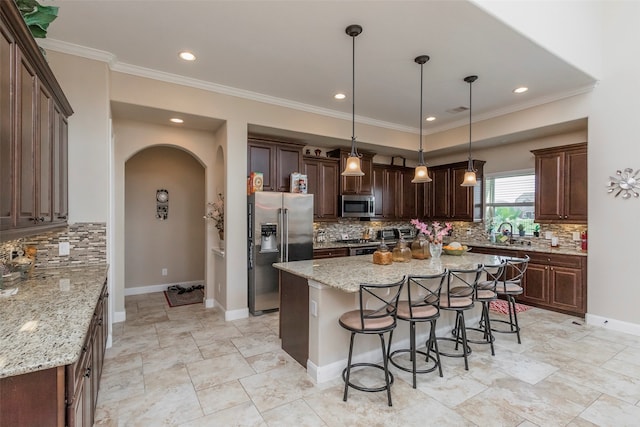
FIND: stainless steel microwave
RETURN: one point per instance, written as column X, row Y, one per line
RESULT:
column 357, row 206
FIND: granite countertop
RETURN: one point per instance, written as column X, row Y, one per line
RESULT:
column 347, row 273
column 542, row 248
column 45, row 323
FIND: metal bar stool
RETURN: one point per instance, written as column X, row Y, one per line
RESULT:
column 509, row 287
column 484, row 293
column 458, row 297
column 422, row 305
column 376, row 315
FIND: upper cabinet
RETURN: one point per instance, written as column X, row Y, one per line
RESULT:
column 322, row 181
column 445, row 199
column 355, row 184
column 561, row 184
column 276, row 160
column 33, row 135
column 396, row 196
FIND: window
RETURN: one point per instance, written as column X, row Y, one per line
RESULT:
column 510, row 198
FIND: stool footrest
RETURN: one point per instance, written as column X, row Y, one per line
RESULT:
column 461, row 354
column 361, row 388
column 430, row 357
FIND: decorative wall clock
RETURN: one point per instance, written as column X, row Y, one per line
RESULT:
column 625, row 183
column 162, row 204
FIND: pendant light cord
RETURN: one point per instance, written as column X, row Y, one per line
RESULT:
column 421, row 96
column 353, row 97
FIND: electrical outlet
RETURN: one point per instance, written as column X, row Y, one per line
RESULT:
column 164, row 272
column 63, row 248
column 314, row 308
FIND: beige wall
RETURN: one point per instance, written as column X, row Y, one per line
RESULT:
column 177, row 243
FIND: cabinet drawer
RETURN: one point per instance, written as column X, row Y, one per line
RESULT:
column 558, row 260
column 330, row 253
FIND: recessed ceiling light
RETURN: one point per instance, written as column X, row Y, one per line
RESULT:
column 520, row 89
column 339, row 96
column 187, row 56
column 176, row 120
column 430, row 118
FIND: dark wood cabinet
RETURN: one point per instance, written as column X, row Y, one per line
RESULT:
column 33, row 115
column 276, row 160
column 396, row 196
column 322, row 181
column 355, row 184
column 561, row 184
column 330, row 253
column 555, row 282
column 445, row 199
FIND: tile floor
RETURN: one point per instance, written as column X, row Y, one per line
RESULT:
column 186, row 366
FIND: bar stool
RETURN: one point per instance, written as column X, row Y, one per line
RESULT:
column 458, row 297
column 422, row 305
column 484, row 293
column 509, row 287
column 376, row 315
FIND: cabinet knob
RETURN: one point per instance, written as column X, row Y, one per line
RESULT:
column 546, row 268
column 88, row 373
column 566, row 216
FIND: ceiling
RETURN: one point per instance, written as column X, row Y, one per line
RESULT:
column 297, row 53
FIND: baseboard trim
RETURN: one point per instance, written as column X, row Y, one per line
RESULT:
column 140, row 290
column 242, row 313
column 613, row 324
column 210, row 303
column 119, row 316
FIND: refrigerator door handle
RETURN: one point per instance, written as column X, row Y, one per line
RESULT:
column 250, row 226
column 281, row 231
column 286, row 235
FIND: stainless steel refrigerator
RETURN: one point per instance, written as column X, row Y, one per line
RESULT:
column 280, row 230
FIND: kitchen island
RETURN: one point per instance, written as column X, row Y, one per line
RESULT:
column 320, row 291
column 53, row 333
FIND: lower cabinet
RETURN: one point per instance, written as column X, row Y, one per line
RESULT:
column 330, row 253
column 294, row 316
column 556, row 282
column 64, row 395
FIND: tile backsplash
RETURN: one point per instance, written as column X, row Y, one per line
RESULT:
column 87, row 246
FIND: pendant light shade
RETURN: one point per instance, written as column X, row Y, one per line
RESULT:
column 470, row 175
column 352, row 167
column 421, row 174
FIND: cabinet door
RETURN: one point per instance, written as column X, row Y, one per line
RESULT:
column 329, row 196
column 549, row 187
column 26, row 137
column 378, row 189
column 357, row 184
column 536, row 287
column 565, row 286
column 44, row 171
column 575, row 203
column 288, row 160
column 262, row 158
column 461, row 197
column 7, row 113
column 390, row 194
column 409, row 195
column 366, row 181
column 440, row 196
column 59, row 176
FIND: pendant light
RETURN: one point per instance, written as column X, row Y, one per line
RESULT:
column 352, row 167
column 470, row 175
column 421, row 174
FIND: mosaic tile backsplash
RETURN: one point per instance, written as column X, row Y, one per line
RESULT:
column 87, row 246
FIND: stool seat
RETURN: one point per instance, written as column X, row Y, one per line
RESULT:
column 424, row 312
column 352, row 321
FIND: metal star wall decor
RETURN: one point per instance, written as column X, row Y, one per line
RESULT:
column 625, row 183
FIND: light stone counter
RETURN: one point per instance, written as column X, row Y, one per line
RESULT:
column 333, row 285
column 44, row 325
column 347, row 273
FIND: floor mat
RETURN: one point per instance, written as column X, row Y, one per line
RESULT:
column 501, row 306
column 184, row 295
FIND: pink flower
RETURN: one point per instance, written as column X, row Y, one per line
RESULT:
column 435, row 233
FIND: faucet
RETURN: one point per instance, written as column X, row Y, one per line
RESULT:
column 510, row 230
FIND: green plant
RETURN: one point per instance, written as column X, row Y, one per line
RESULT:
column 36, row 16
column 537, row 228
column 521, row 227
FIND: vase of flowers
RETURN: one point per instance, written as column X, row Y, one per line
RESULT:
column 434, row 234
column 215, row 213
